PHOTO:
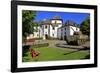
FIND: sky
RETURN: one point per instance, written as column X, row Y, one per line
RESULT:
column 76, row 17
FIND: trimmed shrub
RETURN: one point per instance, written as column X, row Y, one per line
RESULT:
column 40, row 45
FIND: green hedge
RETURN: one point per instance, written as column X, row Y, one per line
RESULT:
column 40, row 45
column 38, row 38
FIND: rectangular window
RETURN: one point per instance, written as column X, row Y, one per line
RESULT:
column 65, row 29
column 53, row 34
column 53, row 28
column 61, row 29
column 65, row 33
column 46, row 26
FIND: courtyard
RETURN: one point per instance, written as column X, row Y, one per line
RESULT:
column 44, row 34
column 56, row 50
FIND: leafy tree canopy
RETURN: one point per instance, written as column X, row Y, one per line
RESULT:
column 27, row 21
column 85, row 26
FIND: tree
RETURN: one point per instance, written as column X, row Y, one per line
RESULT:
column 27, row 20
column 85, row 26
column 34, row 24
column 78, row 25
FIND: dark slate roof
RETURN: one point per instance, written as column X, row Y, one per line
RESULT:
column 70, row 23
column 46, row 21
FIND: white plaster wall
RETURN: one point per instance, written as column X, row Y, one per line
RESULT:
column 59, row 21
column 73, row 28
column 36, row 33
column 60, row 25
column 55, row 32
column 67, row 31
column 53, row 21
column 59, row 30
column 62, row 33
column 59, row 33
column 46, row 29
column 51, row 31
column 41, row 32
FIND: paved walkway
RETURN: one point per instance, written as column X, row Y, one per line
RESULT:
column 61, row 44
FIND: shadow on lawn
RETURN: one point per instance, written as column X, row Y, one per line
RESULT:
column 86, row 57
column 75, row 51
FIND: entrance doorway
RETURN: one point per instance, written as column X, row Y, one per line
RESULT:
column 46, row 36
column 65, row 37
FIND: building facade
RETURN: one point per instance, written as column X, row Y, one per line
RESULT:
column 54, row 28
column 67, row 29
column 50, row 27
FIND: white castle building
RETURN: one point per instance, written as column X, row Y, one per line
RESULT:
column 54, row 28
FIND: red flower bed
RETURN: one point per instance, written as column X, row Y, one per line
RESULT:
column 33, row 53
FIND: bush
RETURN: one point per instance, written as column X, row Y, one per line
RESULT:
column 25, row 49
column 40, row 45
column 38, row 38
column 23, row 39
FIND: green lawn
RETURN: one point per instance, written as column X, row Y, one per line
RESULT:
column 52, row 54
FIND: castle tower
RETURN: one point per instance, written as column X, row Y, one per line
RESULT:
column 56, row 23
column 46, row 28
